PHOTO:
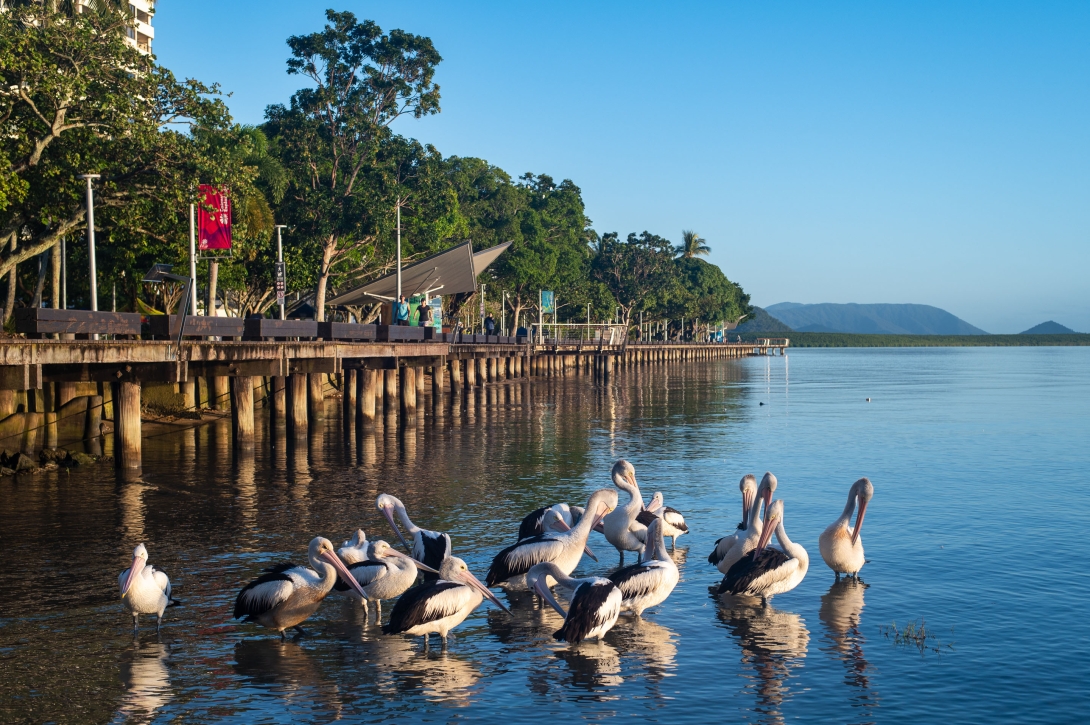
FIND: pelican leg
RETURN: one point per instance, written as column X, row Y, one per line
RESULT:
column 302, row 632
column 135, row 624
column 425, row 641
column 158, row 623
column 837, row 575
column 366, row 613
column 622, row 556
column 283, row 635
column 378, row 611
column 444, row 637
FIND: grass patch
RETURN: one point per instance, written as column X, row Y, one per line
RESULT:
column 916, row 634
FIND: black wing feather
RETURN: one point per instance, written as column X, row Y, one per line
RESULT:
column 645, row 517
column 626, row 580
column 532, row 524
column 278, row 568
column 436, row 548
column 411, row 607
column 273, row 573
column 714, row 558
column 502, row 568
column 342, row 586
column 583, row 615
column 750, row 568
column 680, row 526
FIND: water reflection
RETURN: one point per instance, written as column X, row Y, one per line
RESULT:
column 592, row 666
column 288, row 670
column 146, row 676
column 841, row 613
column 773, row 643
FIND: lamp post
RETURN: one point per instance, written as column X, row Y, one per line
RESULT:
column 193, row 254
column 398, row 301
column 91, row 237
column 160, row 272
column 281, row 276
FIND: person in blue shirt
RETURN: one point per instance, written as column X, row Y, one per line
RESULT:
column 489, row 325
column 402, row 311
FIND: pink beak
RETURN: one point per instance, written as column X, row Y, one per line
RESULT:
column 419, row 564
column 543, row 591
column 343, row 572
column 859, row 522
column 390, row 517
column 138, row 564
column 476, row 583
column 747, row 502
column 559, row 523
column 766, row 534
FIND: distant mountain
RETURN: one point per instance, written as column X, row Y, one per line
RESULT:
column 883, row 319
column 762, row 322
column 1049, row 328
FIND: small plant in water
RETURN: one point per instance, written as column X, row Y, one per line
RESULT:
column 916, row 634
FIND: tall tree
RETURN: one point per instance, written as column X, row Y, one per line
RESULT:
column 692, row 245
column 79, row 99
column 330, row 136
column 639, row 272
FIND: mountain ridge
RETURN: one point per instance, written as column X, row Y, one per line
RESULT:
column 877, row 318
column 1049, row 327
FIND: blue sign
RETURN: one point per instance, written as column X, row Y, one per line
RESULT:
column 548, row 303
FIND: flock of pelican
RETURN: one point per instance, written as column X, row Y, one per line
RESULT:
column 551, row 543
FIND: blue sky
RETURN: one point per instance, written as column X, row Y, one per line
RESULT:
column 936, row 153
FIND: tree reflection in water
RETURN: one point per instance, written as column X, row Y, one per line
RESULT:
column 841, row 614
column 147, row 683
column 773, row 643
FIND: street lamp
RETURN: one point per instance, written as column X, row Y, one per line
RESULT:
column 157, row 275
column 91, row 236
column 281, row 277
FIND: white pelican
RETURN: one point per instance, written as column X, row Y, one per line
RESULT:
column 840, row 545
column 748, row 487
column 286, row 595
column 620, row 527
column 648, row 583
column 730, row 549
column 144, row 590
column 552, row 521
column 673, row 523
column 387, row 574
column 428, row 547
column 766, row 571
column 355, row 549
column 595, row 604
column 533, row 524
column 510, row 566
column 436, row 607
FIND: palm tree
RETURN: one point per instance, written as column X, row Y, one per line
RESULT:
column 692, row 245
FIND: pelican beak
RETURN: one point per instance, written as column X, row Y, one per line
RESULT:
column 600, row 515
column 138, row 564
column 342, row 571
column 588, row 552
column 419, row 564
column 859, row 522
column 631, row 477
column 766, row 534
column 389, row 514
column 768, row 499
column 544, row 593
column 473, row 581
column 747, row 502
column 561, row 525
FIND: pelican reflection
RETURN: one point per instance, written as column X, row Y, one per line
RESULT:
column 773, row 643
column 841, row 613
column 147, row 683
column 592, row 666
column 289, row 670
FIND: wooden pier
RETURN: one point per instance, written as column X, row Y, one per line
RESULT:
column 60, row 389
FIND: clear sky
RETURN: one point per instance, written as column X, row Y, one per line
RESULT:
column 936, row 153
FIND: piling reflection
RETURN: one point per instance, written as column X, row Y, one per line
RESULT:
column 773, row 644
column 145, row 672
column 841, row 614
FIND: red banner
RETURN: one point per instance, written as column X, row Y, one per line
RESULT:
column 214, row 219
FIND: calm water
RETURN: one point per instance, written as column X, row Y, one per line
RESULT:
column 979, row 459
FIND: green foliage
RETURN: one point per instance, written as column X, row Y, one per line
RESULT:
column 639, row 273
column 692, row 245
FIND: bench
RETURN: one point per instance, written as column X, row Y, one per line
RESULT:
column 347, row 331
column 261, row 328
column 398, row 333
column 38, row 321
column 166, row 326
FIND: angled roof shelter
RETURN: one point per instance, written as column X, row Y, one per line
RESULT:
column 447, row 273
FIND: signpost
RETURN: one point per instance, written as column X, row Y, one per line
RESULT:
column 281, row 271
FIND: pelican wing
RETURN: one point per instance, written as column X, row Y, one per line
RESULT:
column 673, row 517
column 268, row 591
column 431, row 547
column 752, row 574
column 594, row 604
column 518, row 558
column 722, row 546
column 428, row 602
column 365, row 572
column 645, row 517
column 162, row 580
column 121, row 579
column 639, row 579
column 532, row 523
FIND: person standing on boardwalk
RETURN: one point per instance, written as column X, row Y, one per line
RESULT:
column 402, row 313
column 424, row 313
column 489, row 325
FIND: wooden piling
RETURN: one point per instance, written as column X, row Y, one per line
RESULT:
column 470, row 373
column 297, row 404
column 367, row 396
column 242, row 409
column 279, row 407
column 221, row 393
column 127, row 444
column 348, row 394
column 408, row 391
column 315, row 395
column 389, row 390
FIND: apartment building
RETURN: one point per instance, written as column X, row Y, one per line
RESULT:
column 141, row 35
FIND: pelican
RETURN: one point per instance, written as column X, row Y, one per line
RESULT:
column 552, row 521
column 428, row 547
column 355, row 549
column 765, row 571
column 840, row 545
column 730, row 549
column 144, row 590
column 748, row 487
column 286, row 594
column 436, row 607
column 594, row 608
column 620, row 527
column 387, row 574
column 533, row 524
column 673, row 523
column 510, row 566
column 648, row 583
